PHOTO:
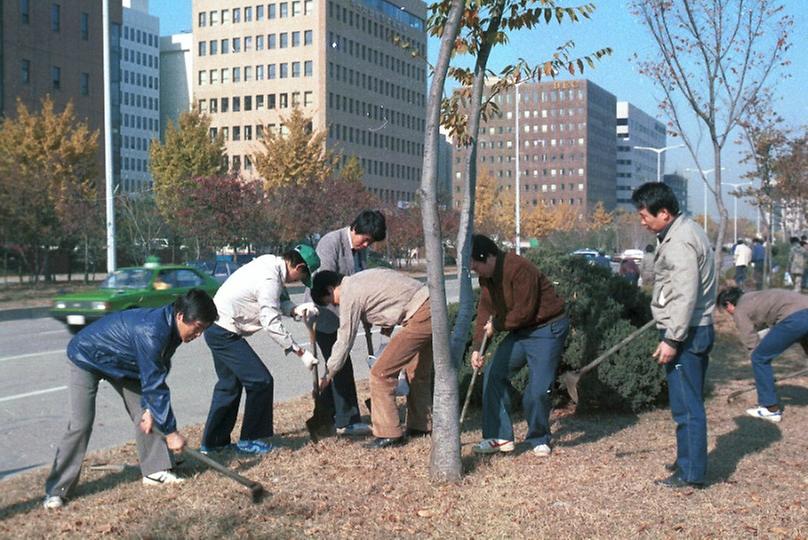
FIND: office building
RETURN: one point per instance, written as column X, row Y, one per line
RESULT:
column 637, row 166
column 566, row 145
column 140, row 93
column 176, row 68
column 444, row 173
column 55, row 48
column 678, row 184
column 341, row 62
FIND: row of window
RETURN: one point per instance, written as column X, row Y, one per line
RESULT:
column 141, row 58
column 375, row 84
column 136, row 78
column 140, row 101
column 258, row 102
column 376, row 112
column 360, row 51
column 136, row 121
column 283, row 70
column 56, row 18
column 236, row 15
column 281, row 40
column 374, row 139
column 136, row 143
column 398, row 13
column 544, row 96
column 544, row 158
column 56, row 77
column 143, row 37
column 135, row 164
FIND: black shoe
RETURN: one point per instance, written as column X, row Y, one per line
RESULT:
column 675, row 482
column 416, row 433
column 671, row 467
column 384, row 442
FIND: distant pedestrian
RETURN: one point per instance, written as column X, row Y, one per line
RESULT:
column 743, row 257
column 785, row 314
column 603, row 260
column 758, row 260
column 796, row 263
column 629, row 270
column 647, row 267
column 682, row 304
column 132, row 351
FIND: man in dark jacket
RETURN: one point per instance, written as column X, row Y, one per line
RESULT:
column 524, row 303
column 132, row 350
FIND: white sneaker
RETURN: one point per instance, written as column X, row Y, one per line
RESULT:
column 492, row 446
column 52, row 502
column 162, row 477
column 542, row 450
column 355, row 430
column 765, row 414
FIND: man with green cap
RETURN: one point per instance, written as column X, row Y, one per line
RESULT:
column 254, row 297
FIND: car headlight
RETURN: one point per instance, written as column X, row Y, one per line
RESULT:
column 60, row 305
column 101, row 306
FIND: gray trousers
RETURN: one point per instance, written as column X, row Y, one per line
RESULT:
column 83, row 387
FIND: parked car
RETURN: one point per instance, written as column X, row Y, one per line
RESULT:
column 589, row 254
column 220, row 269
column 151, row 285
column 635, row 254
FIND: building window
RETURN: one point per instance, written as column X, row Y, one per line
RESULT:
column 214, row 105
column 295, row 9
column 308, row 98
column 259, row 102
column 25, row 71
column 284, row 40
column 247, row 133
column 25, row 11
column 236, row 104
column 308, row 37
column 308, row 68
column 295, row 39
column 284, row 70
column 203, row 19
column 271, row 71
column 248, row 43
column 85, row 26
column 225, row 16
column 225, row 103
column 56, row 77
column 248, row 72
column 214, row 18
column 85, row 84
column 270, row 101
column 236, row 15
column 271, row 41
column 308, row 7
column 56, row 17
column 236, row 131
column 259, row 72
column 202, row 79
column 225, row 46
column 203, row 48
column 284, row 101
column 259, row 12
column 236, row 76
column 247, row 14
column 259, row 43
column 271, row 11
column 236, row 44
column 295, row 69
column 284, row 9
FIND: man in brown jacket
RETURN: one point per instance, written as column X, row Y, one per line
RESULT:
column 524, row 303
column 785, row 314
column 385, row 298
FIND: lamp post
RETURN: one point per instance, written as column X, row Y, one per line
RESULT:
column 658, row 152
column 518, row 216
column 735, row 206
column 704, row 173
column 108, row 173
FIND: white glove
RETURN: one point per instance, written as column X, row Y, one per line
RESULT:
column 309, row 360
column 308, row 312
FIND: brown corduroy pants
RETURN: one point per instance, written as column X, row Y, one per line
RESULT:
column 411, row 350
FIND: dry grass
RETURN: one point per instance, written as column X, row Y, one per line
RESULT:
column 26, row 295
column 598, row 482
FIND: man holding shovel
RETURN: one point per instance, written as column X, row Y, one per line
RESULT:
column 524, row 303
column 131, row 350
column 682, row 304
column 386, row 298
column 344, row 251
column 785, row 314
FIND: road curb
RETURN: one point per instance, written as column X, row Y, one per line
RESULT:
column 16, row 314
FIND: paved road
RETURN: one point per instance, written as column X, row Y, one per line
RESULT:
column 33, row 396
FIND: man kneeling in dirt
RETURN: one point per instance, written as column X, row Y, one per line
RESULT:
column 132, row 350
column 785, row 314
column 385, row 298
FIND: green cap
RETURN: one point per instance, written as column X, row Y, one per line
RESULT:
column 311, row 259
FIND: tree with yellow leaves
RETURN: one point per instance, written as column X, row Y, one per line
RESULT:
column 494, row 208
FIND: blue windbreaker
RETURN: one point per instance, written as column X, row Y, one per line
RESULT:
column 134, row 344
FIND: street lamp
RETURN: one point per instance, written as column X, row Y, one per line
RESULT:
column 735, row 187
column 659, row 152
column 704, row 173
column 518, row 183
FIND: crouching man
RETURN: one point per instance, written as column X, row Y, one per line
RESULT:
column 385, row 298
column 785, row 314
column 131, row 350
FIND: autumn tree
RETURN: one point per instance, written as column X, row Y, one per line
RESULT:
column 188, row 152
column 138, row 222
column 713, row 57
column 494, row 208
column 47, row 180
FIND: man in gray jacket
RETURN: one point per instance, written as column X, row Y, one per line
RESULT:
column 682, row 304
column 785, row 314
column 344, row 251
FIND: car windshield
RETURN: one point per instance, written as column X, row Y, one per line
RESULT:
column 129, row 278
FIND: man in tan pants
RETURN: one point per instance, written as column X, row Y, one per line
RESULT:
column 385, row 298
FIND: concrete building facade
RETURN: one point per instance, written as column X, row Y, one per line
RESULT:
column 635, row 167
column 176, row 69
column 342, row 62
column 55, row 49
column 566, row 140
column 678, row 183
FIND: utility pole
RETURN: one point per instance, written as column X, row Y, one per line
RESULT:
column 110, row 199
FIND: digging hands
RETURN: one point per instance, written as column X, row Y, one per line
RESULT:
column 307, row 312
column 664, row 353
column 324, row 382
column 489, row 328
column 175, row 442
column 308, row 359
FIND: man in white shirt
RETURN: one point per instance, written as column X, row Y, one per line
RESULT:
column 254, row 297
column 743, row 256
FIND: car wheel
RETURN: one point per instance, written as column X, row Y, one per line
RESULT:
column 74, row 328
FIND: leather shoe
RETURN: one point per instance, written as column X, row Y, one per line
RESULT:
column 675, row 482
column 671, row 467
column 415, row 433
column 384, row 442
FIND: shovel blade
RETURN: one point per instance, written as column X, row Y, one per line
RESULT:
column 569, row 380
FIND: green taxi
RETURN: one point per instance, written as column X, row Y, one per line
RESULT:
column 150, row 285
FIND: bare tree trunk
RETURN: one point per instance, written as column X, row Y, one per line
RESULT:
column 722, row 211
column 445, row 464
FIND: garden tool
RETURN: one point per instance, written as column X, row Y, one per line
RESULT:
column 321, row 423
column 474, row 376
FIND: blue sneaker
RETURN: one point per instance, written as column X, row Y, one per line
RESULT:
column 254, row 447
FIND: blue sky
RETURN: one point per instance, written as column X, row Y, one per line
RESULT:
column 610, row 26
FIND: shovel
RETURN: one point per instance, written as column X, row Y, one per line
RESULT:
column 369, row 342
column 474, row 377
column 569, row 379
column 321, row 422
column 737, row 393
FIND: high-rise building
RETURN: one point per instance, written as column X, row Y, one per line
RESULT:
column 55, row 48
column 444, row 173
column 176, row 68
column 343, row 63
column 678, row 184
column 140, row 93
column 635, row 166
column 566, row 145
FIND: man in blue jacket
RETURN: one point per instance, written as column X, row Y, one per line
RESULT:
column 131, row 350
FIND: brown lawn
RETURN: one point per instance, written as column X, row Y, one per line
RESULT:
column 598, row 482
